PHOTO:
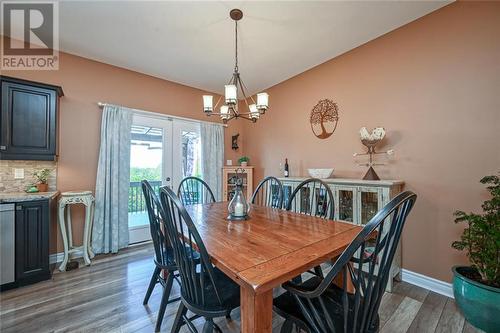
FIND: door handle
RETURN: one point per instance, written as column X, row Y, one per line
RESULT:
column 167, row 179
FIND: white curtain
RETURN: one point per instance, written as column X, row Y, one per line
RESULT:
column 110, row 229
column 212, row 156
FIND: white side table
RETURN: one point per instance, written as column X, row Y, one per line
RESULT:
column 64, row 216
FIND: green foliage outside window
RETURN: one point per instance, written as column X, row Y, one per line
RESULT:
column 139, row 174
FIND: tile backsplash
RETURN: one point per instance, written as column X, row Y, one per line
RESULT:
column 9, row 184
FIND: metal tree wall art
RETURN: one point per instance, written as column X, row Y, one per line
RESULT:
column 324, row 118
column 370, row 140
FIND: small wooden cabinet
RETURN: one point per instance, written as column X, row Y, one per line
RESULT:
column 32, row 241
column 28, row 120
column 356, row 201
column 228, row 182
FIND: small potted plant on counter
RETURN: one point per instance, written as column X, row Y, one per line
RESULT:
column 42, row 176
column 477, row 287
column 243, row 161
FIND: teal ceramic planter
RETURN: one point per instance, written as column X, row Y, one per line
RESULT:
column 480, row 304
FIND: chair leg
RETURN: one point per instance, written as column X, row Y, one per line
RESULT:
column 319, row 271
column 217, row 328
column 209, row 326
column 287, row 327
column 164, row 301
column 152, row 284
column 179, row 318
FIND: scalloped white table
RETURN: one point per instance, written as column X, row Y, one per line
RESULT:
column 64, row 216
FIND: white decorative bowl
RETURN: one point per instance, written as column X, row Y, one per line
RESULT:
column 320, row 173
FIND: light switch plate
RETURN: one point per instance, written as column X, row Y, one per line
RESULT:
column 18, row 173
column 229, row 162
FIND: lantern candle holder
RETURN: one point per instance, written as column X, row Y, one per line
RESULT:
column 238, row 207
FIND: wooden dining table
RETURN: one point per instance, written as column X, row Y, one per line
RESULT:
column 268, row 249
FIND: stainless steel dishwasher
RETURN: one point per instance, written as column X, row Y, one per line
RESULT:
column 7, row 244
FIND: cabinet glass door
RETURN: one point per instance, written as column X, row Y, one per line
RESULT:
column 275, row 192
column 369, row 205
column 369, row 202
column 287, row 192
column 346, row 204
column 320, row 201
column 305, row 200
column 231, row 184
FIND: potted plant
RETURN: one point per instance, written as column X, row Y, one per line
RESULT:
column 42, row 176
column 477, row 287
column 243, row 161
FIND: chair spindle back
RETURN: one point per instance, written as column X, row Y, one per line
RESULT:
column 312, row 197
column 268, row 193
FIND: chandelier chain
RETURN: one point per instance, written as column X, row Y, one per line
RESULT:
column 236, row 47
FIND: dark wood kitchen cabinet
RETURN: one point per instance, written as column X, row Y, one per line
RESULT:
column 28, row 120
column 32, row 241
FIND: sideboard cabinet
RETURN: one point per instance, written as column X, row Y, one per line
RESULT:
column 356, row 201
column 28, row 119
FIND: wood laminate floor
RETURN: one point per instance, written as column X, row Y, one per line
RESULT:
column 107, row 297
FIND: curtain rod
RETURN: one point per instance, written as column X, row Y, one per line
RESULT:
column 161, row 115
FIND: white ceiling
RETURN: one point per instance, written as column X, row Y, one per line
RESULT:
column 193, row 42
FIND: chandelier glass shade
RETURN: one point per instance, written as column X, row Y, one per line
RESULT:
column 230, row 108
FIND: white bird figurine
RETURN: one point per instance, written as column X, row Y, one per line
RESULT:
column 371, row 139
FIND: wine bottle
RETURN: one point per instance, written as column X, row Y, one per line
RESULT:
column 286, row 168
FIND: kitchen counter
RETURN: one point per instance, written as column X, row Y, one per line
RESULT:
column 23, row 196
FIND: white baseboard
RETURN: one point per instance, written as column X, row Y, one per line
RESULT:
column 58, row 257
column 423, row 281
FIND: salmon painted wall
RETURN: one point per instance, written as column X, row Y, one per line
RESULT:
column 434, row 84
column 86, row 82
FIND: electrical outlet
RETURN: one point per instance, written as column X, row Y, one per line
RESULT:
column 18, row 173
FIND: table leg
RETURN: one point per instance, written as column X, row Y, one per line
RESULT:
column 92, row 210
column 69, row 226
column 86, row 234
column 64, row 236
column 339, row 281
column 256, row 311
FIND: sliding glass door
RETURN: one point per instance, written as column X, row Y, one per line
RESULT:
column 162, row 151
column 150, row 159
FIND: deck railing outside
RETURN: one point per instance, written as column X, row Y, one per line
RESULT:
column 136, row 201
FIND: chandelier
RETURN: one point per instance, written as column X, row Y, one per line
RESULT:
column 230, row 110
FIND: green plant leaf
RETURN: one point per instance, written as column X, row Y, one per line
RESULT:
column 481, row 238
